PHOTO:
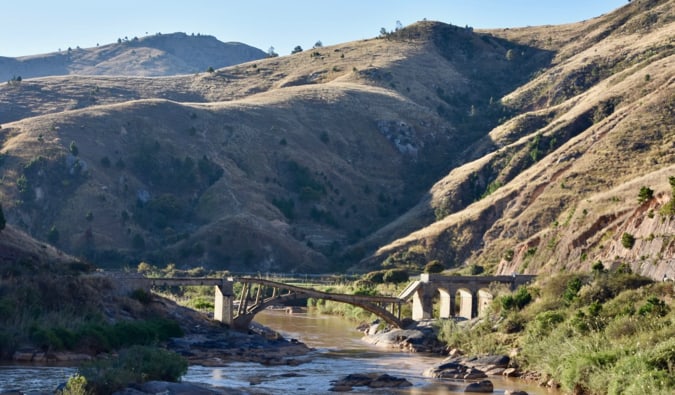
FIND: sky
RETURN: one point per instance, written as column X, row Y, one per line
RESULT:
column 42, row 26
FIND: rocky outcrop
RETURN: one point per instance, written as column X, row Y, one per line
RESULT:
column 455, row 371
column 484, row 387
column 368, row 380
column 166, row 388
column 421, row 338
column 217, row 348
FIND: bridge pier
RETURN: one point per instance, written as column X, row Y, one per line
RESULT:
column 423, row 304
column 224, row 303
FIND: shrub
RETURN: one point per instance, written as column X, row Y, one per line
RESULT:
column 136, row 364
column 516, row 301
column 76, row 385
column 375, row 277
column 573, row 287
column 645, row 194
column 434, row 267
column 654, row 306
column 627, row 240
column 395, row 276
column 73, row 148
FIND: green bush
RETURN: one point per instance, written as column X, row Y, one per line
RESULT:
column 76, row 385
column 136, row 364
column 573, row 287
column 395, row 276
column 101, row 337
column 434, row 267
column 516, row 301
column 627, row 240
column 645, row 194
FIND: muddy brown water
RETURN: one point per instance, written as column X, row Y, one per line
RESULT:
column 339, row 351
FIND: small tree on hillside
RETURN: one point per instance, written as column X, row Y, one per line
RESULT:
column 645, row 194
column 73, row 148
column 271, row 53
column 296, row 49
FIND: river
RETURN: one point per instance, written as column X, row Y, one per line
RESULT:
column 338, row 352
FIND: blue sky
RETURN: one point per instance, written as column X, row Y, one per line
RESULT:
column 33, row 27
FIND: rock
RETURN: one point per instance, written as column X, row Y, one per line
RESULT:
column 163, row 387
column 454, row 370
column 417, row 339
column 495, row 371
column 501, row 361
column 340, row 388
column 388, row 381
column 484, row 386
column 354, row 380
column 23, row 356
column 509, row 392
column 552, row 384
column 454, row 353
column 369, row 380
column 511, row 372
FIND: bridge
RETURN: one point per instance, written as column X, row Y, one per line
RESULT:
column 257, row 294
column 473, row 291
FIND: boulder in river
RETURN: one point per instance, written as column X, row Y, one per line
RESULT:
column 369, row 380
column 484, row 387
column 454, row 370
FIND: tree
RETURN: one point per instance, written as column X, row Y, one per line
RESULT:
column 645, row 194
column 296, row 49
column 318, row 44
column 73, row 148
column 627, row 240
column 2, row 218
column 271, row 53
column 434, row 267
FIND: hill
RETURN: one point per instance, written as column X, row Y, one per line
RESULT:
column 151, row 56
column 513, row 150
column 556, row 187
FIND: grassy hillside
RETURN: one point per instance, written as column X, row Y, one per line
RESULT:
column 556, row 187
column 280, row 164
column 516, row 150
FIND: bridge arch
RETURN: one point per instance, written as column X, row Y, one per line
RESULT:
column 368, row 303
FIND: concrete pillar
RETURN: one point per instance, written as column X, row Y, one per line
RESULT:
column 474, row 303
column 484, row 300
column 466, row 302
column 223, row 306
column 422, row 308
column 446, row 308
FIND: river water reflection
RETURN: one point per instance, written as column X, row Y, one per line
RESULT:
column 339, row 352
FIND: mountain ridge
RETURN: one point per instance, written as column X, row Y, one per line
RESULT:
column 151, row 56
column 330, row 158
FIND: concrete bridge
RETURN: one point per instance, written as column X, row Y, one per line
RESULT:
column 257, row 294
column 473, row 291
